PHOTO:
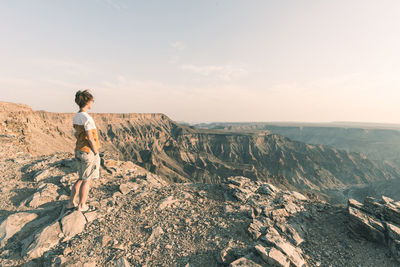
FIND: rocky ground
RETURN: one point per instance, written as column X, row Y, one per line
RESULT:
column 142, row 220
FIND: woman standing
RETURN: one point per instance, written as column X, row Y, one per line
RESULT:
column 86, row 151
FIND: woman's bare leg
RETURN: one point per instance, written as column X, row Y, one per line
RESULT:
column 83, row 193
column 74, row 194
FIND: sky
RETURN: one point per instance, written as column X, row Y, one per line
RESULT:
column 206, row 61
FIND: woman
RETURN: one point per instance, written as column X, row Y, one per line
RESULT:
column 86, row 152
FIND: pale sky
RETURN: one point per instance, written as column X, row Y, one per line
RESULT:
column 205, row 61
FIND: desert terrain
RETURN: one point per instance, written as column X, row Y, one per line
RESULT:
column 177, row 195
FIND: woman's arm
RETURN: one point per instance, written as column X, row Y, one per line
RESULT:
column 92, row 142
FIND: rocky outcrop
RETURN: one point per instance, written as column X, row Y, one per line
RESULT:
column 276, row 242
column 377, row 220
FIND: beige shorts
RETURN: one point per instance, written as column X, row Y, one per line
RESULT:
column 88, row 164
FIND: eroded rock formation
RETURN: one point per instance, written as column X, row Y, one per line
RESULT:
column 377, row 220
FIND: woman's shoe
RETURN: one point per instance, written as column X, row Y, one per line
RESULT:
column 88, row 208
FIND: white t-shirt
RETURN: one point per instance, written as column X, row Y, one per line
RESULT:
column 83, row 118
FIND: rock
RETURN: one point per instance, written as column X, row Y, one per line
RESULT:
column 372, row 206
column 257, row 228
column 386, row 200
column 238, row 180
column 105, row 239
column 294, row 236
column 166, row 202
column 121, row 262
column 272, row 256
column 228, row 208
column 41, row 175
column 361, row 223
column 354, row 203
column 13, row 224
column 267, row 189
column 124, row 188
column 393, row 231
column 291, row 208
column 73, row 224
column 241, row 194
column 91, row 216
column 46, row 193
column 156, row 232
column 37, row 244
column 276, row 213
column 245, row 261
column 186, row 195
column 391, row 213
column 294, row 254
column 298, row 195
column 377, row 220
column 290, row 233
column 226, row 255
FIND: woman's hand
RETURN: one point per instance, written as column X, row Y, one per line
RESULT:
column 92, row 143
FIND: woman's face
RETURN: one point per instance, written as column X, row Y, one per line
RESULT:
column 89, row 104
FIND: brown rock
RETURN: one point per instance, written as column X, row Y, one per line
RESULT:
column 41, row 175
column 46, row 193
column 361, row 223
column 73, row 224
column 272, row 256
column 42, row 241
column 294, row 254
column 13, row 224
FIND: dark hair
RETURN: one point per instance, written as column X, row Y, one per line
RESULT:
column 83, row 97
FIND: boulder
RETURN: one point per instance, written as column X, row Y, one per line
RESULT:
column 13, row 224
column 73, row 224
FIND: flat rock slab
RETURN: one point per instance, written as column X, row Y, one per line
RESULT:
column 73, row 224
column 44, row 240
column 13, row 224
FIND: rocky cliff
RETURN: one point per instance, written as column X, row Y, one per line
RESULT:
column 379, row 142
column 181, row 153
